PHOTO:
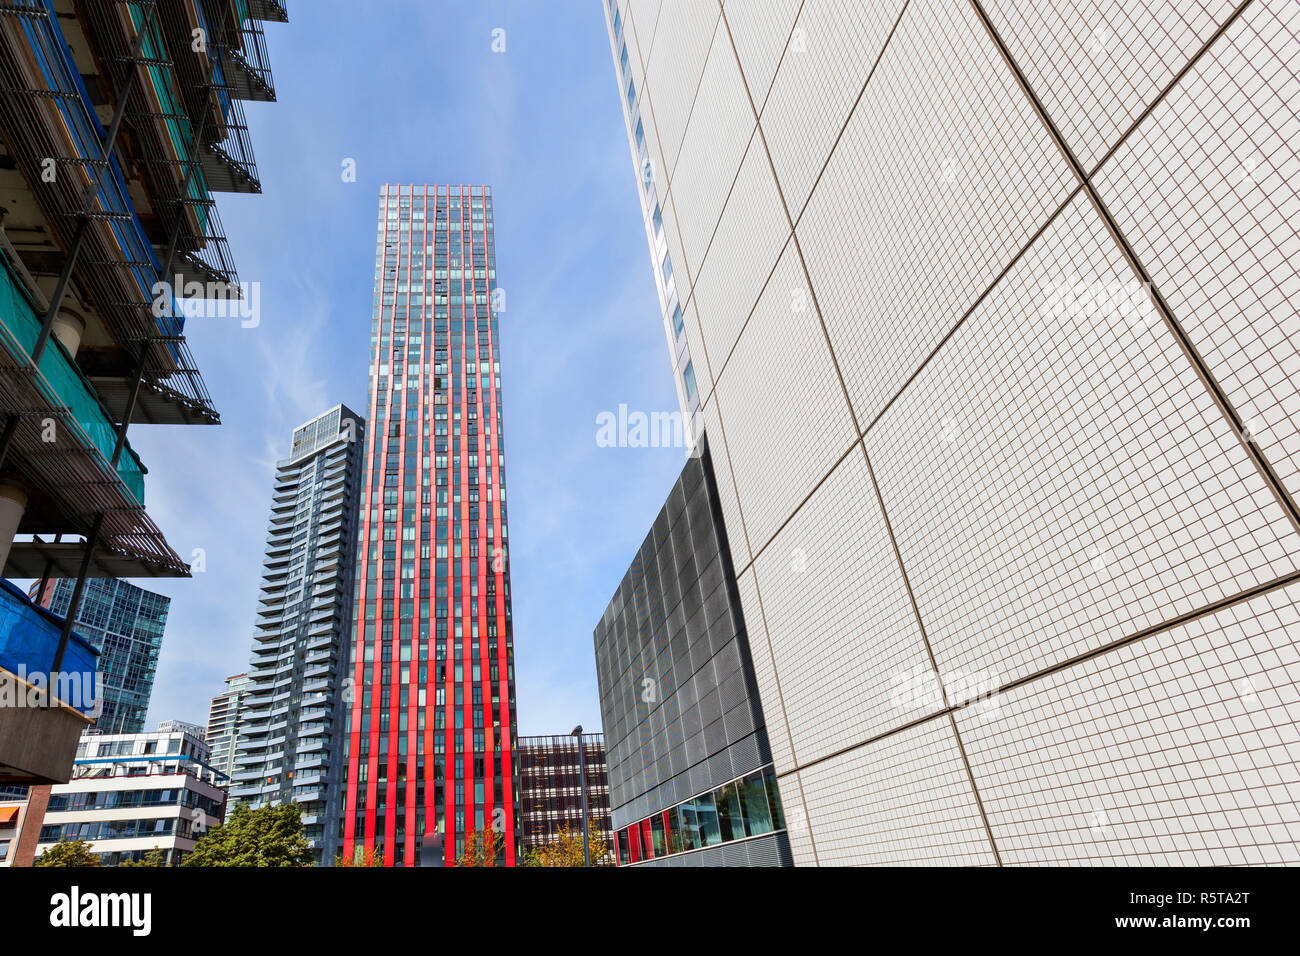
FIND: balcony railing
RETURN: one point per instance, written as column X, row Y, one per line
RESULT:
column 60, row 381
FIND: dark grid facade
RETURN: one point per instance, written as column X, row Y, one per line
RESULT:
column 432, row 720
column 550, row 788
column 678, row 700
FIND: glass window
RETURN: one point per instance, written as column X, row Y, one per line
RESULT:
column 688, row 377
column 678, row 327
column 774, row 798
column 657, row 835
column 667, row 268
column 658, row 220
column 640, row 135
column 731, row 819
column 622, row 58
column 706, row 815
column 688, row 826
column 622, row 848
column 634, row 843
column 674, row 835
column 753, row 794
column 647, row 844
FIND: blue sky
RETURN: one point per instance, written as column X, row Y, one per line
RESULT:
column 413, row 93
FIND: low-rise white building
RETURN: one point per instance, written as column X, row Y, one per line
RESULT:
column 132, row 793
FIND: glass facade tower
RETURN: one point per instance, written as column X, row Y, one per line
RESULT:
column 126, row 623
column 431, row 729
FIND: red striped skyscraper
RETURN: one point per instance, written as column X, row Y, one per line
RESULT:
column 431, row 725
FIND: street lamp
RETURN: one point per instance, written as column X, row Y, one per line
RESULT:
column 582, row 772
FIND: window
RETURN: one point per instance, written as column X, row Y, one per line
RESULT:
column 678, row 327
column 747, row 807
column 658, row 220
column 731, row 820
column 753, row 794
column 706, row 817
column 688, row 379
column 667, row 269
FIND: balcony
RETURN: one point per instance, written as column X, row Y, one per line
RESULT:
column 61, row 383
column 38, row 744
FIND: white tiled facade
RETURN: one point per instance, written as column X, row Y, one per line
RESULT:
column 991, row 312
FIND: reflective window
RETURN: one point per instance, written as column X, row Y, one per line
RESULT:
column 774, row 798
column 690, row 829
column 648, row 849
column 758, row 817
column 747, row 807
column 657, row 835
column 706, row 815
column 731, row 821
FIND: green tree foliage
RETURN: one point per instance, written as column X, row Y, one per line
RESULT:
column 481, row 848
column 566, row 850
column 361, row 857
column 267, row 836
column 155, row 857
column 68, row 853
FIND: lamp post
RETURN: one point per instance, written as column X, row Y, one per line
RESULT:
column 582, row 772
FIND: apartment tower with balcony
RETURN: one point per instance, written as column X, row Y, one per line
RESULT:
column 288, row 737
column 222, row 732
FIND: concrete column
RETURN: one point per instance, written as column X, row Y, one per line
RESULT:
column 13, row 502
column 68, row 327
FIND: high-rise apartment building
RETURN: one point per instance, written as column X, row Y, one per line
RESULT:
column 988, row 311
column 690, row 768
column 222, row 733
column 550, row 771
column 117, row 129
column 288, row 737
column 431, row 733
column 125, row 623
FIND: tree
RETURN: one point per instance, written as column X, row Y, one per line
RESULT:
column 268, row 836
column 68, row 853
column 361, row 857
column 481, row 848
column 566, row 850
column 155, row 857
